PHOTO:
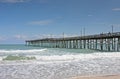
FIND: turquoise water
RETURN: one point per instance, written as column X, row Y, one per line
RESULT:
column 16, row 46
column 31, row 50
column 55, row 63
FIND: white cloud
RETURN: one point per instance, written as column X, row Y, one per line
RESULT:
column 42, row 22
column 13, row 1
column 116, row 9
column 20, row 37
column 2, row 38
column 90, row 15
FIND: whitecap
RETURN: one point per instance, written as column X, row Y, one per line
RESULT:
column 23, row 51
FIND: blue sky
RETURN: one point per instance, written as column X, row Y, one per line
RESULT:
column 33, row 19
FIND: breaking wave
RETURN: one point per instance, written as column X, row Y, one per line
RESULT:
column 57, row 55
column 22, row 51
column 70, row 57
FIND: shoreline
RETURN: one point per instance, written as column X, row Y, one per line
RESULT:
column 97, row 77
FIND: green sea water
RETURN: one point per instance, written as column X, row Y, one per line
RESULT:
column 21, row 49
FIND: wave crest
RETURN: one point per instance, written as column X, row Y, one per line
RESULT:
column 22, row 51
column 70, row 57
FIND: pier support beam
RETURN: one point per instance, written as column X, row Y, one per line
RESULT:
column 80, row 44
column 88, row 44
column 118, row 45
column 84, row 44
column 101, row 44
column 114, row 44
column 96, row 44
column 108, row 44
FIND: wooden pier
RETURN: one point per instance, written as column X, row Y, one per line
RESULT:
column 103, row 42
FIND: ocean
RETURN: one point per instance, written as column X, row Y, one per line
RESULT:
column 55, row 63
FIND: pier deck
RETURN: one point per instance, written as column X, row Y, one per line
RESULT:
column 103, row 42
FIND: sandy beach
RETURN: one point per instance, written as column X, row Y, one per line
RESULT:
column 98, row 77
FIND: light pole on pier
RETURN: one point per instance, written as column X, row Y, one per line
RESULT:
column 81, row 32
column 112, row 28
column 84, row 31
column 63, row 35
column 51, row 35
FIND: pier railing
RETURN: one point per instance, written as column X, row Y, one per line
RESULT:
column 103, row 42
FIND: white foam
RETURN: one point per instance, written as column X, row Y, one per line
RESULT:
column 62, row 66
column 78, row 56
column 64, row 57
column 62, row 69
column 22, row 51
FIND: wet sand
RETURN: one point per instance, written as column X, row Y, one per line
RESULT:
column 98, row 77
